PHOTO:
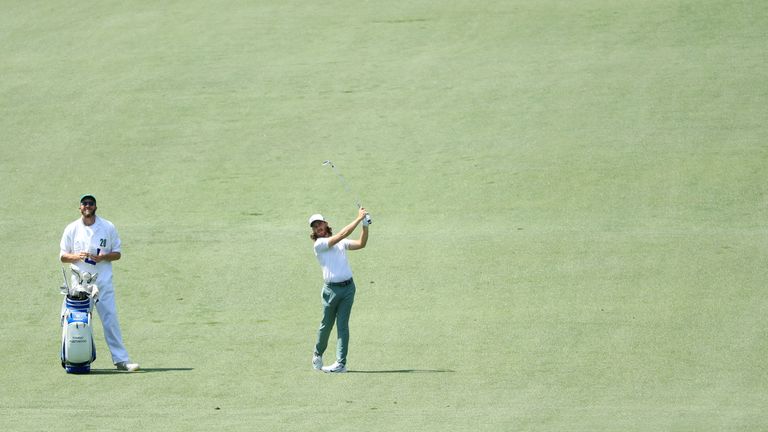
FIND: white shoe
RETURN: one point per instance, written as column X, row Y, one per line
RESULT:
column 335, row 368
column 127, row 366
column 317, row 361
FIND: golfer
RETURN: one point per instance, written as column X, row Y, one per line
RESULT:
column 338, row 289
column 90, row 244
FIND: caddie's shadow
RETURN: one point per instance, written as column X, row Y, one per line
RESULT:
column 140, row 371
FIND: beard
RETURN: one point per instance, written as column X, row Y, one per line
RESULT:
column 327, row 232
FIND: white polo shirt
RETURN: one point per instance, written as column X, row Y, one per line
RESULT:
column 333, row 260
column 99, row 238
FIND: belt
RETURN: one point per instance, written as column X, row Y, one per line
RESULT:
column 340, row 284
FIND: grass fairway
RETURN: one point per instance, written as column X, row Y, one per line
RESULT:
column 569, row 203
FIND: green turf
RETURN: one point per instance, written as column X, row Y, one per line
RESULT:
column 569, row 205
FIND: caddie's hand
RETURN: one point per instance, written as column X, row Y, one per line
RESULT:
column 83, row 255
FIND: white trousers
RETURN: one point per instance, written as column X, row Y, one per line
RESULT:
column 108, row 315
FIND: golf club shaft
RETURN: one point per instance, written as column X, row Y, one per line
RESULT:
column 64, row 275
column 349, row 191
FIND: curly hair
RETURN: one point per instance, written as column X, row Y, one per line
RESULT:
column 314, row 236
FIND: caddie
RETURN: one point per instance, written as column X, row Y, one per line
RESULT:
column 90, row 244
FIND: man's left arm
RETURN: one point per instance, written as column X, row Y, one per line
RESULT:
column 362, row 241
column 114, row 254
column 111, row 256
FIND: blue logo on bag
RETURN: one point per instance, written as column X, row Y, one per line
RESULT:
column 81, row 317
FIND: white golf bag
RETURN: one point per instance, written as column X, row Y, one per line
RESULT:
column 78, row 350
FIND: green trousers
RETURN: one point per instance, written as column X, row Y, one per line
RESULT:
column 337, row 306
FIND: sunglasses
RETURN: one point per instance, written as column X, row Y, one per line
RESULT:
column 88, row 203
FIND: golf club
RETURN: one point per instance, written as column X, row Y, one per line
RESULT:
column 349, row 191
column 65, row 286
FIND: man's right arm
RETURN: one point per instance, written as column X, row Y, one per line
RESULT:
column 72, row 258
column 65, row 248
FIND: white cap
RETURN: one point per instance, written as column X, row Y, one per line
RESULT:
column 316, row 217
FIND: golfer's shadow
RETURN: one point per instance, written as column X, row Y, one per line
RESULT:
column 402, row 371
column 140, row 371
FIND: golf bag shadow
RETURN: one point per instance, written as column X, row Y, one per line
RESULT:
column 78, row 349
